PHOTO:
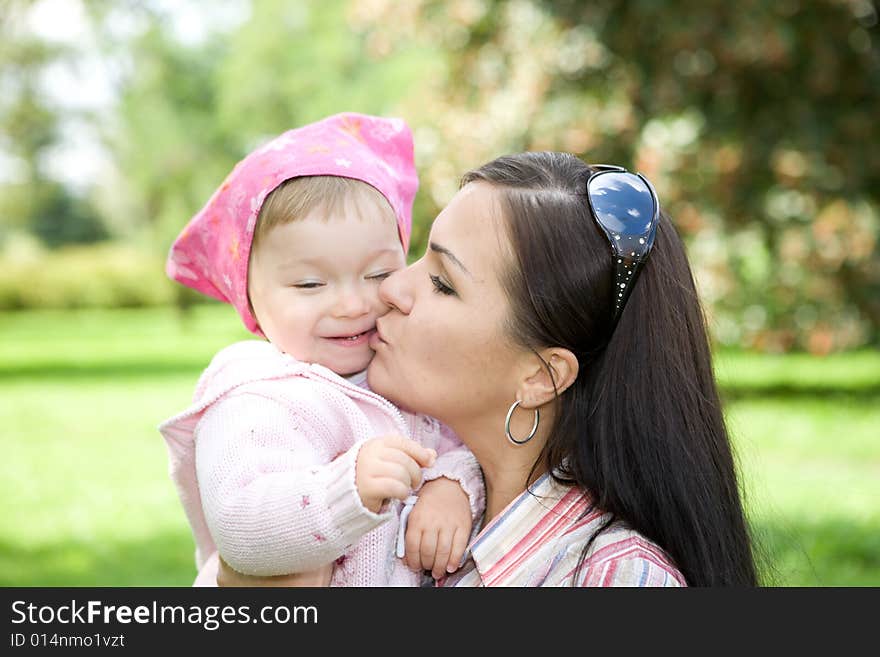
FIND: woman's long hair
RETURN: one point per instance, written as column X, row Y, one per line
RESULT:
column 641, row 428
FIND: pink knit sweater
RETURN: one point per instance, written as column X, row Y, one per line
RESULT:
column 264, row 464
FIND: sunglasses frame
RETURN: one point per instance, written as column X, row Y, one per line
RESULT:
column 626, row 265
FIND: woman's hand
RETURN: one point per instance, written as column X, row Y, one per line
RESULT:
column 226, row 576
column 438, row 528
column 390, row 467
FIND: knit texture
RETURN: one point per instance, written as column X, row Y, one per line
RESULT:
column 264, row 465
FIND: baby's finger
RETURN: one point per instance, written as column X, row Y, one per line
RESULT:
column 441, row 556
column 459, row 545
column 393, row 470
column 428, row 549
column 392, row 488
column 423, row 456
column 413, row 541
column 401, row 458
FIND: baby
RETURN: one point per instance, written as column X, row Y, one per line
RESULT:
column 286, row 462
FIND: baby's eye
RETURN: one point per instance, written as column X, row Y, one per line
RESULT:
column 310, row 285
column 380, row 277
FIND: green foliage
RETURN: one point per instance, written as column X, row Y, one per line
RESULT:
column 190, row 112
column 60, row 218
column 107, row 275
column 30, row 126
column 84, row 391
column 756, row 122
column 28, row 122
column 168, row 142
column 281, row 74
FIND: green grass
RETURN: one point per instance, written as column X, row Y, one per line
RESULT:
column 807, row 433
column 87, row 500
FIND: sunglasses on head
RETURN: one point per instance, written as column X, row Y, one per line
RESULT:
column 626, row 208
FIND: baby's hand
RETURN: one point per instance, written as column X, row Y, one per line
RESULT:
column 390, row 467
column 438, row 528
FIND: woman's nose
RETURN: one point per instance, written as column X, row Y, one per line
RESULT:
column 396, row 290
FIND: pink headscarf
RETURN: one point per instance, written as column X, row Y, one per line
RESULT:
column 211, row 253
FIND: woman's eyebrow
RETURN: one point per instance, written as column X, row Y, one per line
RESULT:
column 442, row 250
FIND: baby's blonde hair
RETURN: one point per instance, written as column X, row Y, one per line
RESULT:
column 294, row 199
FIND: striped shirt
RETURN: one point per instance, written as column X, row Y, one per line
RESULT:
column 538, row 539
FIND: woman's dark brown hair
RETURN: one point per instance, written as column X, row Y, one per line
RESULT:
column 641, row 428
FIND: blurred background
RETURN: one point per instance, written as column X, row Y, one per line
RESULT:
column 756, row 121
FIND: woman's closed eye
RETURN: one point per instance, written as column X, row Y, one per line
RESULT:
column 440, row 286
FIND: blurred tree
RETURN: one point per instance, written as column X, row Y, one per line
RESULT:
column 189, row 111
column 293, row 63
column 30, row 199
column 59, row 217
column 756, row 121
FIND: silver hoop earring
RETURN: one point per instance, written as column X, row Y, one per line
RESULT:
column 507, row 426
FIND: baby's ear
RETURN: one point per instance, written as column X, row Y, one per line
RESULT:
column 547, row 374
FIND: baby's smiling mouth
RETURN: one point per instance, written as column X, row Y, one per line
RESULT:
column 356, row 339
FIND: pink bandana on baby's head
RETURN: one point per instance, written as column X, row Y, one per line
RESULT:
column 211, row 253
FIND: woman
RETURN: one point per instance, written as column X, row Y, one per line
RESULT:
column 579, row 375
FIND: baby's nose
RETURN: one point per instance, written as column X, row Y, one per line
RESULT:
column 351, row 303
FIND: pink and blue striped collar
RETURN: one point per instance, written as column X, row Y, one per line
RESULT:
column 538, row 515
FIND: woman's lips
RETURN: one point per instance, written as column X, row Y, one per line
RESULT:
column 355, row 340
column 376, row 339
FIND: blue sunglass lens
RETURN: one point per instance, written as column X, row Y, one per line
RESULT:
column 622, row 202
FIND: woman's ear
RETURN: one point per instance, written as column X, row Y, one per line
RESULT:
column 550, row 366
